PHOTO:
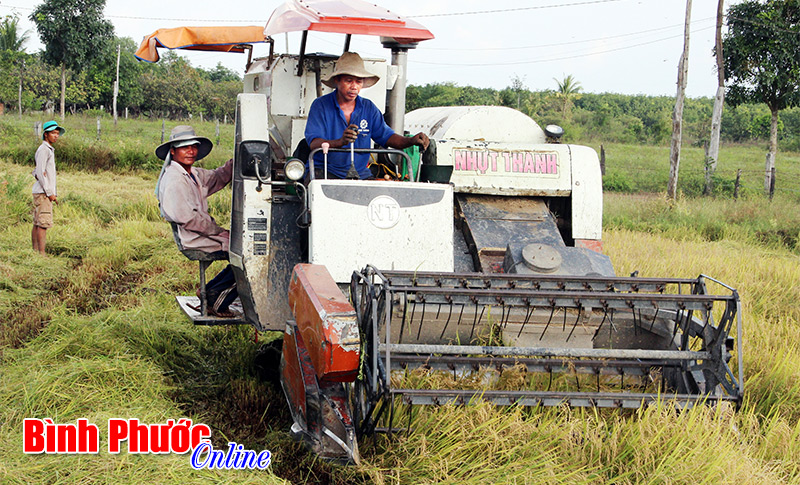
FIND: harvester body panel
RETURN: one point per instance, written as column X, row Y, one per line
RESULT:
column 397, row 224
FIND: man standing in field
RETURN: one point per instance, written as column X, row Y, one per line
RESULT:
column 44, row 186
column 182, row 192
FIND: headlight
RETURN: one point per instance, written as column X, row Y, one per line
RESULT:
column 295, row 169
column 554, row 131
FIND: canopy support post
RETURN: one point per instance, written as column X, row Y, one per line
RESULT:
column 302, row 53
column 396, row 104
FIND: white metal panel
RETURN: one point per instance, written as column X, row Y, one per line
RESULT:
column 385, row 224
column 507, row 168
column 486, row 123
column 587, row 194
column 253, row 117
column 254, row 226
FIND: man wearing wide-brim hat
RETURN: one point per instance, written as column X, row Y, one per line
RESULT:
column 44, row 186
column 182, row 191
column 343, row 117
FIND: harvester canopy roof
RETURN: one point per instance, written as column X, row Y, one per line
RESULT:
column 221, row 39
column 344, row 17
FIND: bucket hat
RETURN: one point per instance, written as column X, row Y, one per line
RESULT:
column 50, row 126
column 352, row 64
column 181, row 136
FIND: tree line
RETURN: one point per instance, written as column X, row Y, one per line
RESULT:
column 614, row 117
column 78, row 67
column 171, row 88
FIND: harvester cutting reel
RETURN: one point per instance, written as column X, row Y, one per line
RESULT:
column 437, row 338
column 423, row 338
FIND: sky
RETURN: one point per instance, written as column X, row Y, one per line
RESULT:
column 608, row 46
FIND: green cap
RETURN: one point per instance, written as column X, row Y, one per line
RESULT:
column 50, row 126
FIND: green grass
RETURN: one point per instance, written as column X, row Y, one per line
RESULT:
column 645, row 168
column 128, row 146
column 92, row 331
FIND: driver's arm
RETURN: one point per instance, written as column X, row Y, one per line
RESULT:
column 400, row 142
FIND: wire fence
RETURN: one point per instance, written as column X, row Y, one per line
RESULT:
column 725, row 181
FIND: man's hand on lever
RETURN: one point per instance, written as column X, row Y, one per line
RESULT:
column 421, row 140
column 349, row 136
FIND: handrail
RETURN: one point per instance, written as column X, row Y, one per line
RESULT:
column 388, row 151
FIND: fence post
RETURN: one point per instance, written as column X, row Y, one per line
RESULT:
column 126, row 112
column 602, row 160
column 37, row 129
column 736, row 184
column 98, row 127
column 217, row 130
column 162, row 131
column 772, row 184
column 225, row 119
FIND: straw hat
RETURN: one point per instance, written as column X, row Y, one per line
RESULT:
column 181, row 136
column 352, row 64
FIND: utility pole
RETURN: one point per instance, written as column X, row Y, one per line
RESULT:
column 677, row 115
column 19, row 103
column 719, row 101
column 116, row 88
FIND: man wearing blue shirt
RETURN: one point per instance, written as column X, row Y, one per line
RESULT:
column 343, row 117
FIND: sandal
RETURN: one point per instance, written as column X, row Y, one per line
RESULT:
column 223, row 314
column 226, row 314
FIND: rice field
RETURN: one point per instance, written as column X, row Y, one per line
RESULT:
column 92, row 331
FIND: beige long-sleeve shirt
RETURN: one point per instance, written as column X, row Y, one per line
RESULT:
column 45, row 171
column 184, row 201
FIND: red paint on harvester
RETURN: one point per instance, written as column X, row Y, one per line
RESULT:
column 326, row 321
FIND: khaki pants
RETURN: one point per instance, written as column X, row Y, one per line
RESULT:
column 42, row 211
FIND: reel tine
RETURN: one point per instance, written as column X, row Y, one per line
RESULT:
column 528, row 314
column 605, row 315
column 403, row 321
column 580, row 312
column 413, row 311
column 678, row 318
column 611, row 323
column 421, row 320
column 654, row 320
column 449, row 314
column 472, row 332
column 552, row 311
column 408, row 428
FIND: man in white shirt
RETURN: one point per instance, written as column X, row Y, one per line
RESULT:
column 44, row 186
column 182, row 193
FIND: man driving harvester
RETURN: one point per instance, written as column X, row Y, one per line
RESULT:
column 342, row 118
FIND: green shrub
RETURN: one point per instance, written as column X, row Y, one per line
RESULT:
column 617, row 182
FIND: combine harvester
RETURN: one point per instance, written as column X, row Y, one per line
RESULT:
column 487, row 264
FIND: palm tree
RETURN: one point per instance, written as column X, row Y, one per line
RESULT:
column 568, row 89
column 10, row 37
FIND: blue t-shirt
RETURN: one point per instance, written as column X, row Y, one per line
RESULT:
column 326, row 121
